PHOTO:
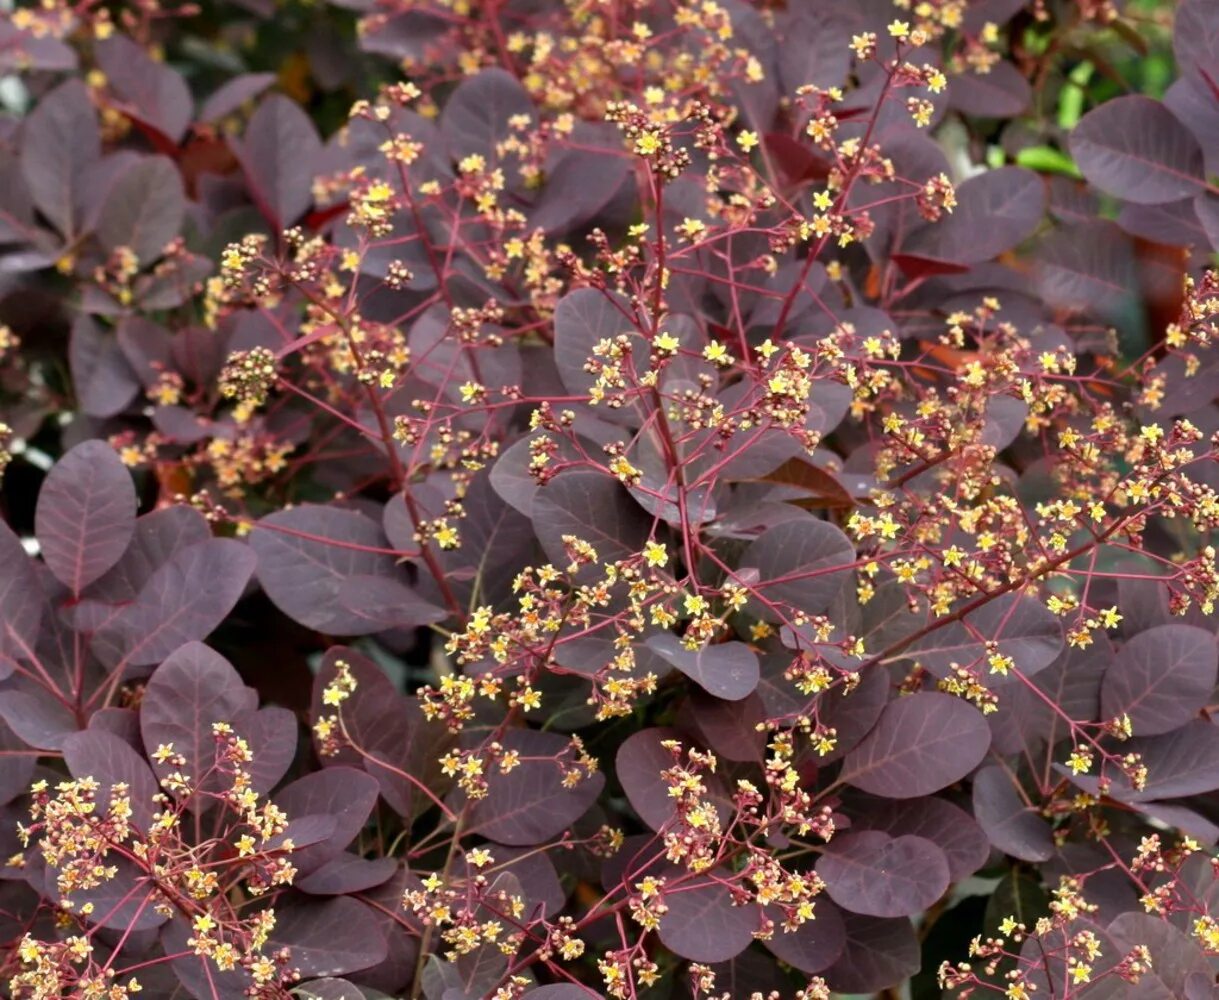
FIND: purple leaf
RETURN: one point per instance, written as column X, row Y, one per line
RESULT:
column 530, row 804
column 20, row 601
column 701, row 923
column 801, row 563
column 306, row 553
column 582, row 319
column 150, row 91
column 1001, row 92
column 949, row 827
column 1085, row 266
column 330, row 989
column 815, row 944
column 1176, row 955
column 1195, row 39
column 159, row 535
column 562, row 991
column 1134, row 148
column 1011, row 824
column 374, row 705
column 194, row 688
column 727, row 670
column 143, row 210
column 879, row 953
column 60, row 145
column 104, row 381
column 581, row 181
column 38, row 718
column 730, row 728
column 231, row 95
column 387, row 603
column 85, row 517
column 278, row 155
column 272, row 734
column 17, row 762
column 882, row 876
column 1161, row 678
column 185, row 599
column 1024, row 630
column 477, row 114
column 922, row 743
column 344, row 793
column 852, row 713
column 592, row 507
column 108, row 759
column 996, row 211
column 639, row 765
column 347, row 874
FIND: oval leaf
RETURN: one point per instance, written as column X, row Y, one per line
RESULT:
column 305, row 555
column 1135, row 148
column 922, row 743
column 85, row 517
column 882, row 876
column 801, row 563
column 185, row 599
column 1161, row 678
column 727, row 670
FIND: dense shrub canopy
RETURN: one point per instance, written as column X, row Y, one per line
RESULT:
column 604, row 498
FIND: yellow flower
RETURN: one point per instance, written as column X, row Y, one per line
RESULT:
column 747, row 140
column 654, row 554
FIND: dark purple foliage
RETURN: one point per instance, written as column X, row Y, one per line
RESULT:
column 658, row 500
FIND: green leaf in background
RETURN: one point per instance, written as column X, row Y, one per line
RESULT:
column 1048, row 160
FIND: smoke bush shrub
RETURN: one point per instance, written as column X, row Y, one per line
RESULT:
column 666, row 499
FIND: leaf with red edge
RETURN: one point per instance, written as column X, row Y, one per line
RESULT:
column 1135, row 148
column 1161, row 678
column 147, row 90
column 185, row 599
column 923, row 742
column 279, row 154
column 85, row 517
column 530, row 804
column 872, row 873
